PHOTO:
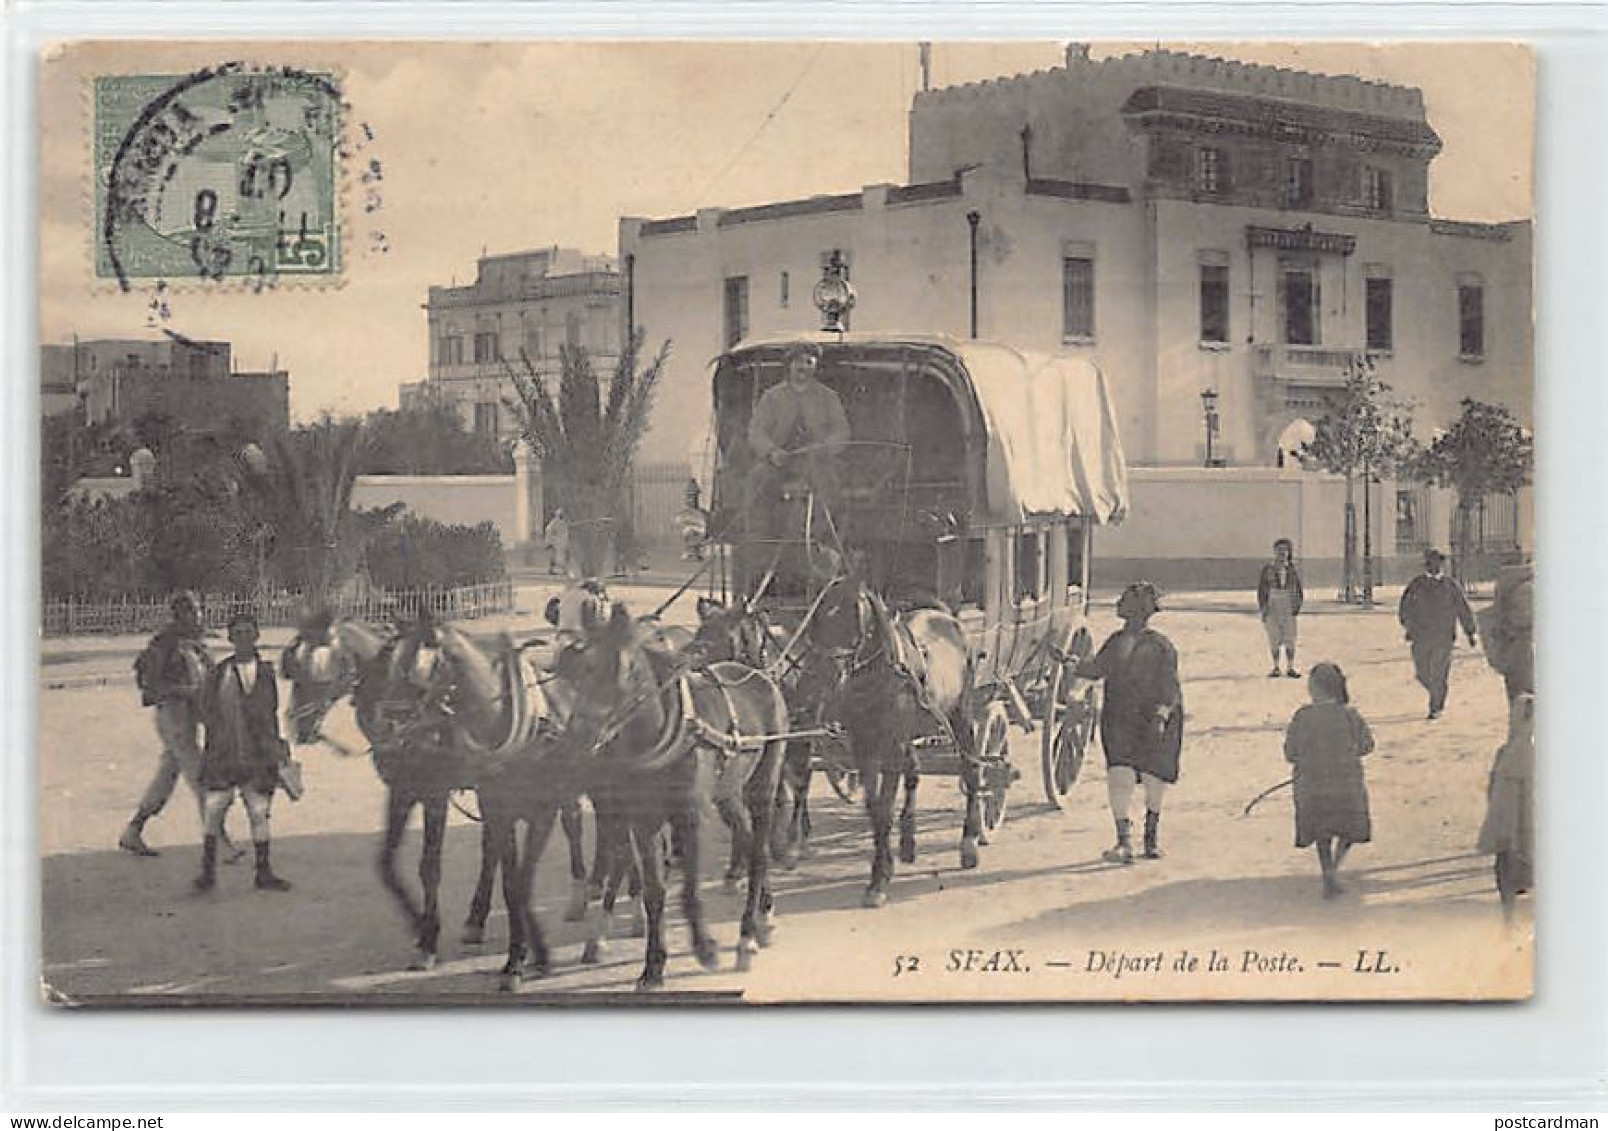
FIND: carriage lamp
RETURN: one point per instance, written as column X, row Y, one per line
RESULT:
column 834, row 296
column 1208, row 404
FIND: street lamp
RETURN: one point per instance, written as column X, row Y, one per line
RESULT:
column 1208, row 404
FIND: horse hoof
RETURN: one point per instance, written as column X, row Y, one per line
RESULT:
column 424, row 960
column 746, row 950
column 762, row 934
column 650, row 982
column 874, row 897
column 982, row 839
column 592, row 953
column 708, row 954
column 788, row 860
column 539, row 967
column 968, row 853
column 474, row 934
column 907, row 852
column 510, row 981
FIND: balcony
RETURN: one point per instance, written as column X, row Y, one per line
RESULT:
column 1300, row 378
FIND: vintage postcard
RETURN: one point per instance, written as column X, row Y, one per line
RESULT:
column 786, row 522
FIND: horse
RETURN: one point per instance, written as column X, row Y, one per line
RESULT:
column 905, row 680
column 418, row 764
column 510, row 717
column 741, row 634
column 661, row 740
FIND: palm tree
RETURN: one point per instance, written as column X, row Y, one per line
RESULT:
column 304, row 490
column 588, row 437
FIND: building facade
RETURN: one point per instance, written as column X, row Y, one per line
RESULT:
column 527, row 304
column 1192, row 225
column 119, row 381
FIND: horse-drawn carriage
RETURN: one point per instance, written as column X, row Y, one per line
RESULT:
column 971, row 480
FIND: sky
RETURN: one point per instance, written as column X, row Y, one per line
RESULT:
column 502, row 147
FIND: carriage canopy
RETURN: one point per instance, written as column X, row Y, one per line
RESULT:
column 1011, row 435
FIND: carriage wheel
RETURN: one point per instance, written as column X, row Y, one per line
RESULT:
column 1065, row 729
column 993, row 749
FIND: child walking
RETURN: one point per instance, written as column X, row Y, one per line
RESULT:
column 1279, row 598
column 1325, row 744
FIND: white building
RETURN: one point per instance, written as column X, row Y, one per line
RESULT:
column 526, row 303
column 1190, row 224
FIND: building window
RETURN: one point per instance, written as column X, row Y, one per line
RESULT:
column 1077, row 298
column 785, row 291
column 1379, row 192
column 449, row 350
column 1209, row 176
column 1297, row 182
column 533, row 344
column 1214, row 302
column 1379, row 314
column 486, row 418
column 572, row 331
column 1300, row 294
column 487, row 348
column 1471, row 319
column 734, row 308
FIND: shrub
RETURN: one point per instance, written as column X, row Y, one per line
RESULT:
column 412, row 552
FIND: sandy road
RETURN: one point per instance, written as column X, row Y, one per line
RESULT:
column 1043, row 918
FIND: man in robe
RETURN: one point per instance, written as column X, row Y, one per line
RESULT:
column 1432, row 608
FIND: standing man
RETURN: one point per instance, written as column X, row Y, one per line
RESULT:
column 1142, row 719
column 1279, row 597
column 1432, row 608
column 1508, row 629
column 171, row 673
column 243, row 751
column 557, row 538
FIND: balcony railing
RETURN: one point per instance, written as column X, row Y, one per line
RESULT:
column 1303, row 365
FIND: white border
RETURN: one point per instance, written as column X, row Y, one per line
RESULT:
column 1551, row 1053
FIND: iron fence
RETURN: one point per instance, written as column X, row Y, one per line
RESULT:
column 128, row 616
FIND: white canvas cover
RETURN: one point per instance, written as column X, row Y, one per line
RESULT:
column 1053, row 447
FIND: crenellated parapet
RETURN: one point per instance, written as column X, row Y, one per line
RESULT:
column 1180, row 68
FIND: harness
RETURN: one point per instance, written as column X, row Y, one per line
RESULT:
column 896, row 649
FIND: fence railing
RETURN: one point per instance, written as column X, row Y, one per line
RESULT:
column 129, row 616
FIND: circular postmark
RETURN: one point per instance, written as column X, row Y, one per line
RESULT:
column 227, row 173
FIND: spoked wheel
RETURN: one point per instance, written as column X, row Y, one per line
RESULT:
column 1066, row 725
column 993, row 749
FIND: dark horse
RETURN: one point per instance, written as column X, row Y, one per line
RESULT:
column 739, row 634
column 906, row 681
column 662, row 740
column 406, row 716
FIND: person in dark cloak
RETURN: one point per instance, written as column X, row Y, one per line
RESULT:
column 1142, row 719
column 1432, row 608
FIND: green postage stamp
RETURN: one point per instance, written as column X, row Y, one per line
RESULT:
column 227, row 173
